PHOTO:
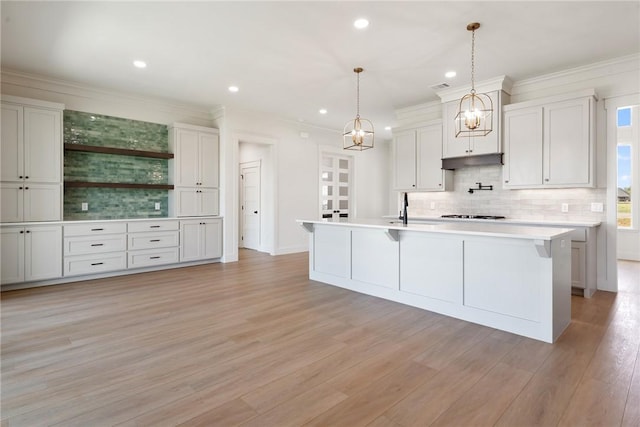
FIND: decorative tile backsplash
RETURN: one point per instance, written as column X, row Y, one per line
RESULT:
column 540, row 204
column 114, row 203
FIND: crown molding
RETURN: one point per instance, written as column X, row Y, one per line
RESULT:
column 54, row 86
column 585, row 72
column 502, row 83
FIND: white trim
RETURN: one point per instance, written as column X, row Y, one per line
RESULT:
column 550, row 99
column 202, row 129
column 32, row 102
column 291, row 250
column 501, row 83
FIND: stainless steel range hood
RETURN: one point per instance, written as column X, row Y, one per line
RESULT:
column 466, row 161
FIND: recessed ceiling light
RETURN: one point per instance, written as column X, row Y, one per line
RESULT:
column 387, row 128
column 233, row 89
column 361, row 23
column 322, row 111
column 450, row 74
column 139, row 64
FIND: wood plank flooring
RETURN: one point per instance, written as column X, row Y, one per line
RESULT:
column 256, row 343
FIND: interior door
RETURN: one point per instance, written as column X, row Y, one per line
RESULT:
column 250, row 205
column 335, row 186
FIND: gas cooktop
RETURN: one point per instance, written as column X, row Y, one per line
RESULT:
column 473, row 216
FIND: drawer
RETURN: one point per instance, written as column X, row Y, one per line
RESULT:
column 159, row 239
column 91, row 264
column 82, row 245
column 95, row 229
column 139, row 226
column 153, row 257
column 578, row 235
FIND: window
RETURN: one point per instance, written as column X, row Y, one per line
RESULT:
column 624, row 185
column 624, row 117
column 627, row 153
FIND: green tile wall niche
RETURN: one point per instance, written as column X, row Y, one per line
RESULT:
column 114, row 203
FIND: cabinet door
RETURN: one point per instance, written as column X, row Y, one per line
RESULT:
column 405, row 156
column 43, row 252
column 567, row 144
column 208, row 201
column 208, row 158
column 42, row 202
column 11, row 146
column 11, row 202
column 212, row 230
column 523, row 147
column 489, row 143
column 191, row 236
column 578, row 264
column 429, row 158
column 12, row 247
column 42, row 145
column 187, row 201
column 186, row 158
column 452, row 146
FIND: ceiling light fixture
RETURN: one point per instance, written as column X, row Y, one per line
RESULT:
column 233, row 89
column 361, row 23
column 139, row 64
column 358, row 133
column 322, row 111
column 450, row 74
column 387, row 128
column 474, row 116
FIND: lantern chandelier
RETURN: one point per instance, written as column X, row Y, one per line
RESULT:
column 475, row 110
column 358, row 133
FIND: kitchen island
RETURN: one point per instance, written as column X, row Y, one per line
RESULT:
column 513, row 278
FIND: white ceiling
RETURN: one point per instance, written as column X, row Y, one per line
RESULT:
column 293, row 58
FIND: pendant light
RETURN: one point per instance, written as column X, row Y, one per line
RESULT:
column 358, row 133
column 475, row 111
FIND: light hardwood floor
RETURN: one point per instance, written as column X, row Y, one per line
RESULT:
column 255, row 343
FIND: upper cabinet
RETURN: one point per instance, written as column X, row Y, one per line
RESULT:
column 418, row 160
column 471, row 145
column 549, row 143
column 31, row 159
column 196, row 169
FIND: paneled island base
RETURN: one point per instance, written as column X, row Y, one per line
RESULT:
column 516, row 279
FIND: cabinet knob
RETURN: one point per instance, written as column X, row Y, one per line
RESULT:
column 471, row 151
column 26, row 177
column 546, row 179
column 506, row 181
column 20, row 177
column 28, row 231
column 19, row 188
column 21, row 231
column 413, row 185
column 26, row 188
column 439, row 185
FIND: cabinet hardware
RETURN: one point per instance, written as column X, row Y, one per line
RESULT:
column 26, row 188
column 506, row 181
column 97, row 263
column 546, row 179
column 20, row 177
column 154, row 257
column 154, row 240
column 97, row 244
column 255, row 212
column 26, row 177
column 28, row 231
column 154, row 226
column 97, row 229
column 19, row 188
column 21, row 231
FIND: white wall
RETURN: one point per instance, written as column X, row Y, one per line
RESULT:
column 297, row 174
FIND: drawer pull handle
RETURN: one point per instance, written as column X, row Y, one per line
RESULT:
column 154, row 240
column 154, row 257
column 97, row 244
column 97, row 229
column 97, row 263
column 154, row 226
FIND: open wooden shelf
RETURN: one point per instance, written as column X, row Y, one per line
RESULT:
column 120, row 151
column 85, row 184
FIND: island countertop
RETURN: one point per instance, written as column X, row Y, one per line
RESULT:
column 469, row 228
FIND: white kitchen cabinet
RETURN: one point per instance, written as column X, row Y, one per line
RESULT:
column 471, row 145
column 31, row 160
column 578, row 264
column 152, row 243
column 95, row 247
column 30, row 202
column 200, row 239
column 549, row 143
column 196, row 201
column 31, row 253
column 194, row 170
column 196, row 156
column 418, row 160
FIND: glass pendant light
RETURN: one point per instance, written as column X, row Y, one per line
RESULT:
column 475, row 110
column 358, row 133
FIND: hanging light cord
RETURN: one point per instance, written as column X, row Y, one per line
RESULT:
column 358, row 95
column 473, row 77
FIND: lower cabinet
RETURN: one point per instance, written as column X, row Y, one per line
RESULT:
column 578, row 264
column 91, row 248
column 152, row 243
column 31, row 253
column 200, row 239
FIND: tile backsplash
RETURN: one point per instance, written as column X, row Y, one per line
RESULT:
column 114, row 203
column 539, row 204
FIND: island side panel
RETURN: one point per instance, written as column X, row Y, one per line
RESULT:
column 332, row 251
column 375, row 258
column 561, row 255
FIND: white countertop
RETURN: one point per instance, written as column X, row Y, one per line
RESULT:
column 484, row 228
column 96, row 221
column 537, row 222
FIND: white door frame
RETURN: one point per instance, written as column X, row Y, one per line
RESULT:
column 251, row 164
column 270, row 190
